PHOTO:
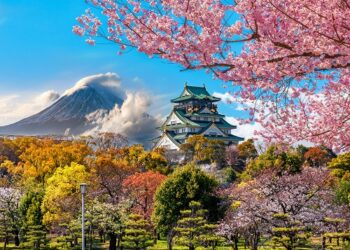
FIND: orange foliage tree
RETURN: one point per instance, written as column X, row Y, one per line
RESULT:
column 110, row 169
column 318, row 156
column 40, row 158
column 141, row 188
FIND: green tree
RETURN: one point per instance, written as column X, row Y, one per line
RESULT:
column 193, row 229
column 70, row 234
column 137, row 233
column 108, row 219
column 30, row 207
column 5, row 228
column 36, row 237
column 273, row 158
column 287, row 232
column 175, row 194
column 340, row 167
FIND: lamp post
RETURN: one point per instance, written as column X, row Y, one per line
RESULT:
column 83, row 192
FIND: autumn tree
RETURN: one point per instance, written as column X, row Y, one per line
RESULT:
column 140, row 188
column 8, row 151
column 318, row 156
column 111, row 169
column 176, row 192
column 288, row 59
column 201, row 149
column 107, row 140
column 237, row 156
column 247, row 150
column 39, row 160
column 154, row 161
column 61, row 199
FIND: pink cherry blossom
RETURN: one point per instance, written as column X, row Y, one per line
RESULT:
column 290, row 57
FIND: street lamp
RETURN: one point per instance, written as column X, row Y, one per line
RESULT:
column 83, row 192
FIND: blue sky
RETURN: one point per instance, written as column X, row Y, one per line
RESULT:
column 39, row 52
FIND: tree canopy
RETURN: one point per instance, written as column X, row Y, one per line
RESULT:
column 287, row 60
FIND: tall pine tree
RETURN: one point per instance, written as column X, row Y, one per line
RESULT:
column 137, row 233
column 193, row 229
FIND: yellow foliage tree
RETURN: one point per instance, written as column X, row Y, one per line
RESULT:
column 62, row 194
column 39, row 160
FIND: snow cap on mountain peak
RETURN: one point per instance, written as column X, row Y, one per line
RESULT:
column 102, row 83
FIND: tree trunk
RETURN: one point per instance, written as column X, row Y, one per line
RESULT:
column 112, row 241
column 191, row 247
column 235, row 243
column 5, row 242
column 16, row 233
column 323, row 243
column 255, row 241
column 119, row 243
column 169, row 239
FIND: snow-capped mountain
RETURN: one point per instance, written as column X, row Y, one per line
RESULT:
column 98, row 93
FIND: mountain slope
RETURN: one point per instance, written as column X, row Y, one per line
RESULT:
column 68, row 112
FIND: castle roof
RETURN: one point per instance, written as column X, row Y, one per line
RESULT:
column 185, row 118
column 195, row 93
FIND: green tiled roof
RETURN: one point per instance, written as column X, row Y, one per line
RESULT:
column 228, row 138
column 181, row 136
column 194, row 90
column 182, row 116
column 199, row 93
column 205, row 114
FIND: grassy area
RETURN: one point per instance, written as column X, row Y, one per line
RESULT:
column 162, row 245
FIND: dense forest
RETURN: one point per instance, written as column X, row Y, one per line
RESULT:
column 216, row 197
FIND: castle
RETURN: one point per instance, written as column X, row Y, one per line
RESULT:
column 195, row 113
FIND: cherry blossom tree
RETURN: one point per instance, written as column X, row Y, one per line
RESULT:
column 289, row 204
column 288, row 60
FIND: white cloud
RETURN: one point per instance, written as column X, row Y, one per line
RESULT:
column 131, row 120
column 109, row 83
column 16, row 107
column 226, row 97
column 245, row 130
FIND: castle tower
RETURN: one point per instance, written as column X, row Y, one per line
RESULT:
column 195, row 113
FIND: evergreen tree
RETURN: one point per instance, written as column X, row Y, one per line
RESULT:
column 36, row 237
column 194, row 230
column 30, row 208
column 288, row 232
column 137, row 233
column 71, row 234
column 177, row 191
column 5, row 229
